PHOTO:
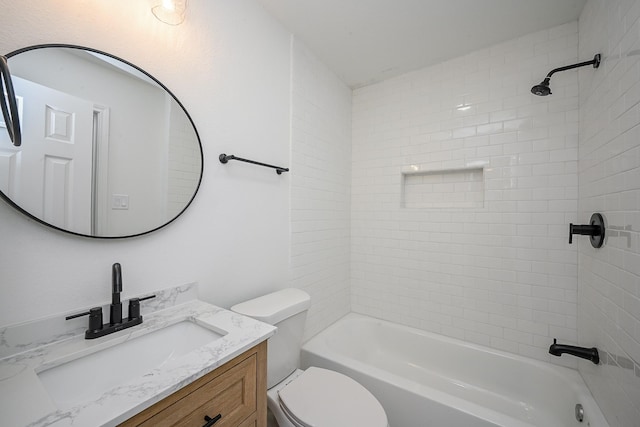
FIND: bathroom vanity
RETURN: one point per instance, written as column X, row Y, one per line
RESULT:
column 188, row 360
column 231, row 395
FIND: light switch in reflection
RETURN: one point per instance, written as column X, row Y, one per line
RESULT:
column 119, row 201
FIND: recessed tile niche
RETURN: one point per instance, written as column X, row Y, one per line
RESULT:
column 443, row 189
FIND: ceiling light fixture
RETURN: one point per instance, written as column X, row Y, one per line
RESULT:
column 170, row 11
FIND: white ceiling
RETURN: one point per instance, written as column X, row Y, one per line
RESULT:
column 365, row 41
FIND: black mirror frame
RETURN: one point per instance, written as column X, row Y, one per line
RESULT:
column 9, row 112
column 70, row 46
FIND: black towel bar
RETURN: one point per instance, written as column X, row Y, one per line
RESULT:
column 224, row 158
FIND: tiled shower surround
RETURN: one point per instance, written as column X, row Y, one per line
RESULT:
column 500, row 273
column 320, row 194
column 609, row 176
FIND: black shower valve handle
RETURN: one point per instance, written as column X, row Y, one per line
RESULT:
column 584, row 230
column 595, row 229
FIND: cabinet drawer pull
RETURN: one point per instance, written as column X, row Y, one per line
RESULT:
column 211, row 421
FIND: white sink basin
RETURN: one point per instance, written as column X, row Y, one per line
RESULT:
column 87, row 378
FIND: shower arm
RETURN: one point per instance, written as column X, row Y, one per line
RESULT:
column 595, row 62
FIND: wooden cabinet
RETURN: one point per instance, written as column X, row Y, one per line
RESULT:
column 235, row 394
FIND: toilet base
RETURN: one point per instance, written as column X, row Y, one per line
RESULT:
column 271, row 419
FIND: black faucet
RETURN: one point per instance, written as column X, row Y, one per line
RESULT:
column 586, row 353
column 96, row 328
column 116, row 284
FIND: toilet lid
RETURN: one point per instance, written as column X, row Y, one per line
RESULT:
column 324, row 398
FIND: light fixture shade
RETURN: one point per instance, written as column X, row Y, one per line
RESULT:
column 170, row 12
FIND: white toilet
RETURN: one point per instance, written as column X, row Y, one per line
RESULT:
column 315, row 397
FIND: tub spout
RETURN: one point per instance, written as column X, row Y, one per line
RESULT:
column 583, row 352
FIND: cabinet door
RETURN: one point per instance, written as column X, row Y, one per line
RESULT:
column 231, row 395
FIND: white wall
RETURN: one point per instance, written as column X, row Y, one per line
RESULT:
column 609, row 173
column 320, row 188
column 502, row 275
column 229, row 64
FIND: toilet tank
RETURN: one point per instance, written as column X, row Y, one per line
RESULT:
column 286, row 309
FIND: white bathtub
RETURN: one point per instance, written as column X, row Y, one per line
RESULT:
column 428, row 380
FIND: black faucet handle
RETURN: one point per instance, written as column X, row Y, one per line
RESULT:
column 95, row 318
column 134, row 306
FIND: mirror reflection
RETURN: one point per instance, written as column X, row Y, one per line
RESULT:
column 107, row 150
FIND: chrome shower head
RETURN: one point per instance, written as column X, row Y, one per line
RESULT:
column 542, row 89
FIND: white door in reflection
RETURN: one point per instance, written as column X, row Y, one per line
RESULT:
column 51, row 173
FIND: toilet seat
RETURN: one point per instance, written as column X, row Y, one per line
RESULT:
column 322, row 398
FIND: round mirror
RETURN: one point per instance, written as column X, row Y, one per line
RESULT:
column 107, row 150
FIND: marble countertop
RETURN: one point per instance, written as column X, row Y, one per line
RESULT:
column 25, row 402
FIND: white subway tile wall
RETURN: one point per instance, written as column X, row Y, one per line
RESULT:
column 320, row 193
column 502, row 275
column 609, row 176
